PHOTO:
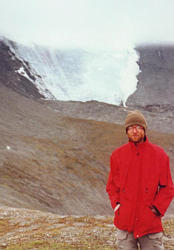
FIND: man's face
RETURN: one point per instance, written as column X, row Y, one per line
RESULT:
column 135, row 133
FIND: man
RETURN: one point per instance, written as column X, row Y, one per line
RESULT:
column 140, row 188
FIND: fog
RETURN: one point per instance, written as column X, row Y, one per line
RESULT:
column 104, row 24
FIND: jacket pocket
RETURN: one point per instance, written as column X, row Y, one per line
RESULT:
column 149, row 221
column 122, row 216
column 117, row 207
column 116, row 217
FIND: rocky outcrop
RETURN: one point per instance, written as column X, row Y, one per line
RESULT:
column 16, row 74
column 155, row 88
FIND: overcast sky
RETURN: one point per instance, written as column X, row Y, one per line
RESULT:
column 88, row 23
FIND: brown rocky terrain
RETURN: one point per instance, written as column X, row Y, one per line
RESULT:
column 52, row 162
column 57, row 163
column 22, row 229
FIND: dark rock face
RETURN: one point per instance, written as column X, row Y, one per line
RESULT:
column 155, row 88
column 10, row 75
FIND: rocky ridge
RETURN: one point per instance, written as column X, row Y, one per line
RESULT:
column 10, row 75
column 155, row 88
column 99, row 111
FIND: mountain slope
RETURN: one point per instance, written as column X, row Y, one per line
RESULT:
column 51, row 162
column 56, row 163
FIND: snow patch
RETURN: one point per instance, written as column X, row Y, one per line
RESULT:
column 22, row 72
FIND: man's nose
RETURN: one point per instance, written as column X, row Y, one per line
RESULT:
column 134, row 129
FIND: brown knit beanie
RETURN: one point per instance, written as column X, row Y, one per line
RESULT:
column 135, row 117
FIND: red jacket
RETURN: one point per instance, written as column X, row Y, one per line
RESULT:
column 140, row 178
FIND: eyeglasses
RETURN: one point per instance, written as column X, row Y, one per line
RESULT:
column 137, row 127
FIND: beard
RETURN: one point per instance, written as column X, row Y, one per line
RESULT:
column 138, row 140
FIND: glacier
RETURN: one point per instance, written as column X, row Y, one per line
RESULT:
column 80, row 74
